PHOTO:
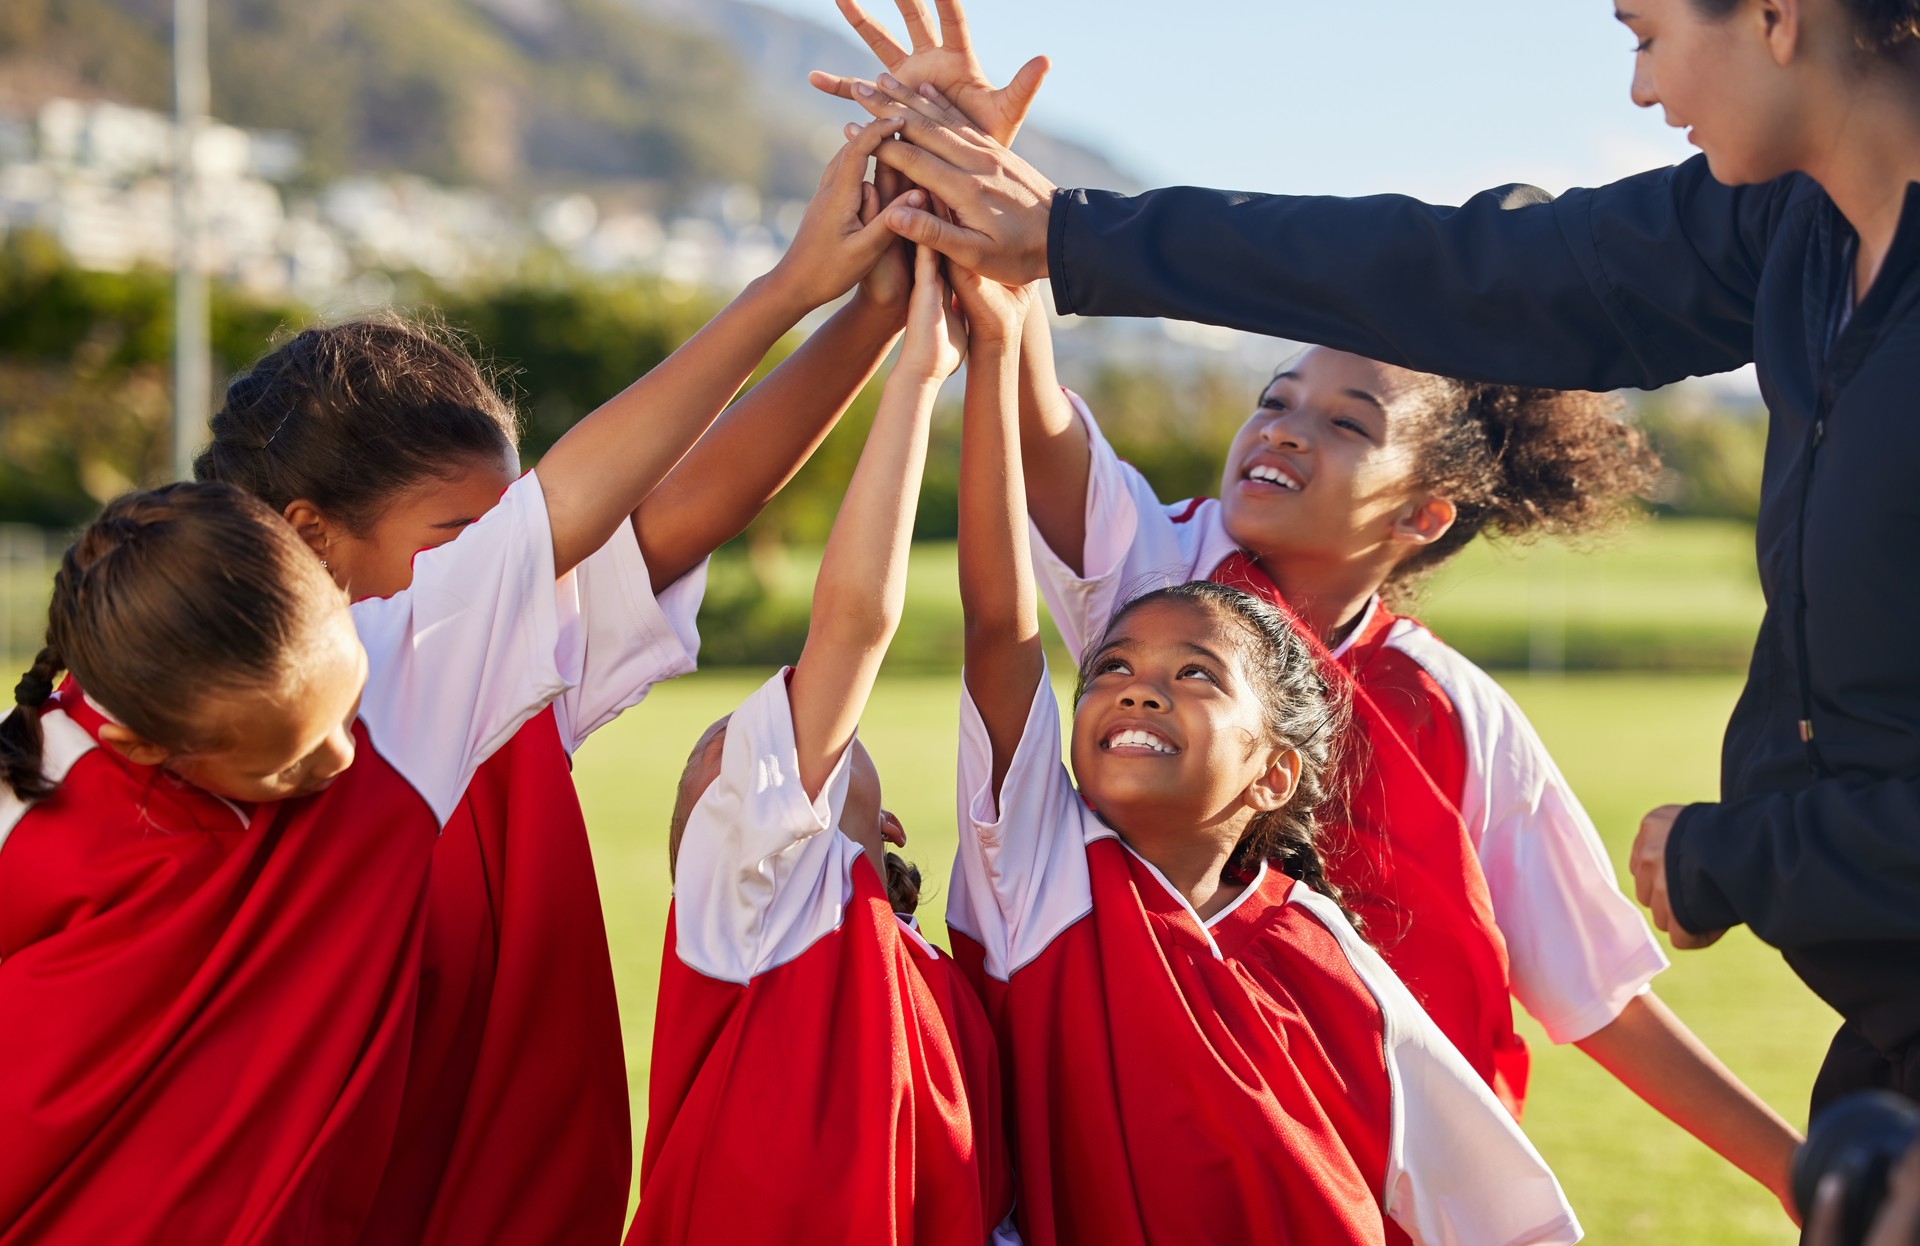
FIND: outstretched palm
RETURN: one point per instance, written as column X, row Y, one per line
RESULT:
column 945, row 62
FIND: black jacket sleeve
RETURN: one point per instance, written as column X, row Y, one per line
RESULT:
column 1835, row 862
column 1637, row 283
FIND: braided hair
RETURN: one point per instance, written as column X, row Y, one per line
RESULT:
column 169, row 595
column 1304, row 711
column 352, row 415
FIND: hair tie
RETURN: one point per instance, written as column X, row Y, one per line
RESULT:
column 33, row 690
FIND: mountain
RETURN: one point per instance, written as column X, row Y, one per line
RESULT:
column 517, row 96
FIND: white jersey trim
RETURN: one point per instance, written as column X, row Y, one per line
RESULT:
column 1578, row 949
column 1459, row 1170
column 764, row 872
column 63, row 742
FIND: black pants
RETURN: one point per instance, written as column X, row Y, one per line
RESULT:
column 1853, row 1063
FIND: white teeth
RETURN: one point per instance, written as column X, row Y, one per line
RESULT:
column 1272, row 475
column 1136, row 738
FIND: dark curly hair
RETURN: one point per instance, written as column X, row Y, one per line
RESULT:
column 1518, row 462
column 1305, row 711
column 1878, row 25
column 352, row 415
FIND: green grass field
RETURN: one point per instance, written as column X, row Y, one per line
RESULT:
column 1626, row 742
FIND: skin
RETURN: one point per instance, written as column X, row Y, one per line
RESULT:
column 1178, row 672
column 288, row 740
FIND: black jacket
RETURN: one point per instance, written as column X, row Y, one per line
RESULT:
column 1816, row 841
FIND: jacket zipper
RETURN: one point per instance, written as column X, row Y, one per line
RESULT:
column 1817, row 435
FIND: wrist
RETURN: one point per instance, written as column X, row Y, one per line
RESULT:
column 781, row 290
column 869, row 312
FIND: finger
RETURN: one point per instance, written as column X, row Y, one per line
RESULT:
column 1018, row 94
column 939, row 112
column 961, row 245
column 959, row 147
column 888, row 182
column 953, row 25
column 850, row 168
column 832, row 84
column 925, row 168
column 869, row 203
column 930, row 103
column 919, row 30
column 872, row 33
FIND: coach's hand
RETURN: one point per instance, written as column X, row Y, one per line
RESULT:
column 998, row 204
column 1649, row 865
column 945, row 62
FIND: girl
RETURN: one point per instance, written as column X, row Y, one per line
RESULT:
column 821, row 1073
column 1792, row 242
column 376, row 441
column 1351, row 479
column 178, row 956
column 1200, row 1047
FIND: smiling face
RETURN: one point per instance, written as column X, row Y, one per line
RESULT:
column 1169, row 734
column 1737, row 83
column 375, row 559
column 1324, row 470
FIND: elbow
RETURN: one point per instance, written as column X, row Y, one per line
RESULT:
column 863, row 614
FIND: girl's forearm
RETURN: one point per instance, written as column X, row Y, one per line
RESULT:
column 1653, row 1053
column 596, row 476
column 751, row 453
column 1054, row 449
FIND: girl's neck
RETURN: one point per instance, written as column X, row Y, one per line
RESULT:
column 1871, row 158
column 1192, row 864
column 1328, row 597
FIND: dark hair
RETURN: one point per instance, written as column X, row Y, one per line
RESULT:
column 903, row 884
column 1878, row 25
column 348, row 417
column 1305, row 711
column 169, row 595
column 1518, row 462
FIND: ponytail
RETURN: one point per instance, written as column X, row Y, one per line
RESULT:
column 21, row 741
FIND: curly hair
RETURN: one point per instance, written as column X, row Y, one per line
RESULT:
column 1304, row 710
column 1878, row 25
column 1518, row 462
column 351, row 415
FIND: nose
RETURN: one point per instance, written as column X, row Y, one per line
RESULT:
column 1642, row 90
column 1283, row 431
column 334, row 757
column 1142, row 694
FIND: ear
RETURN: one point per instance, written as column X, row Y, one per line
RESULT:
column 1424, row 522
column 1780, row 27
column 139, row 751
column 313, row 526
column 1277, row 783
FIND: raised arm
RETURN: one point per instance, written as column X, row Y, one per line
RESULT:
column 861, row 587
column 1003, row 662
column 1636, row 283
column 606, row 465
column 753, row 450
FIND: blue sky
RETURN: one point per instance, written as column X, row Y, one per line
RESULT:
column 1336, row 97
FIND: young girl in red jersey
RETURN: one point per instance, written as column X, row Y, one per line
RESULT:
column 1199, row 1046
column 375, row 441
column 821, row 1073
column 216, row 998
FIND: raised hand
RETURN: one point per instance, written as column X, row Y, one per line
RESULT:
column 936, row 340
column 840, row 239
column 946, row 63
column 998, row 205
column 995, row 313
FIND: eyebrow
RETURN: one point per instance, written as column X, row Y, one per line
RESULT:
column 458, row 523
column 1360, row 394
column 1621, row 15
column 1204, row 652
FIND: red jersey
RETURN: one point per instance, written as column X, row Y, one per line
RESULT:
column 210, row 1006
column 821, row 1073
column 1473, row 862
column 1257, row 1076
column 498, row 1140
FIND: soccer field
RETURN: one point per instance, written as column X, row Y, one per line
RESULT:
column 1626, row 742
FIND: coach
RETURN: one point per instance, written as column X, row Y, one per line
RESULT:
column 1792, row 242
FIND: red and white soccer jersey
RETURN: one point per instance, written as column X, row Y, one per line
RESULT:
column 1578, row 949
column 1258, row 1076
column 210, row 1006
column 499, row 1141
column 821, row 1073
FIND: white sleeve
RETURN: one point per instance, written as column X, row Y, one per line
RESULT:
column 1132, row 546
column 1459, row 1171
column 464, row 657
column 763, row 872
column 1579, row 950
column 1021, row 874
column 617, row 639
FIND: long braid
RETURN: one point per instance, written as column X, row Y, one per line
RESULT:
column 22, row 743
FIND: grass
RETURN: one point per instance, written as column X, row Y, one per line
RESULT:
column 1626, row 742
